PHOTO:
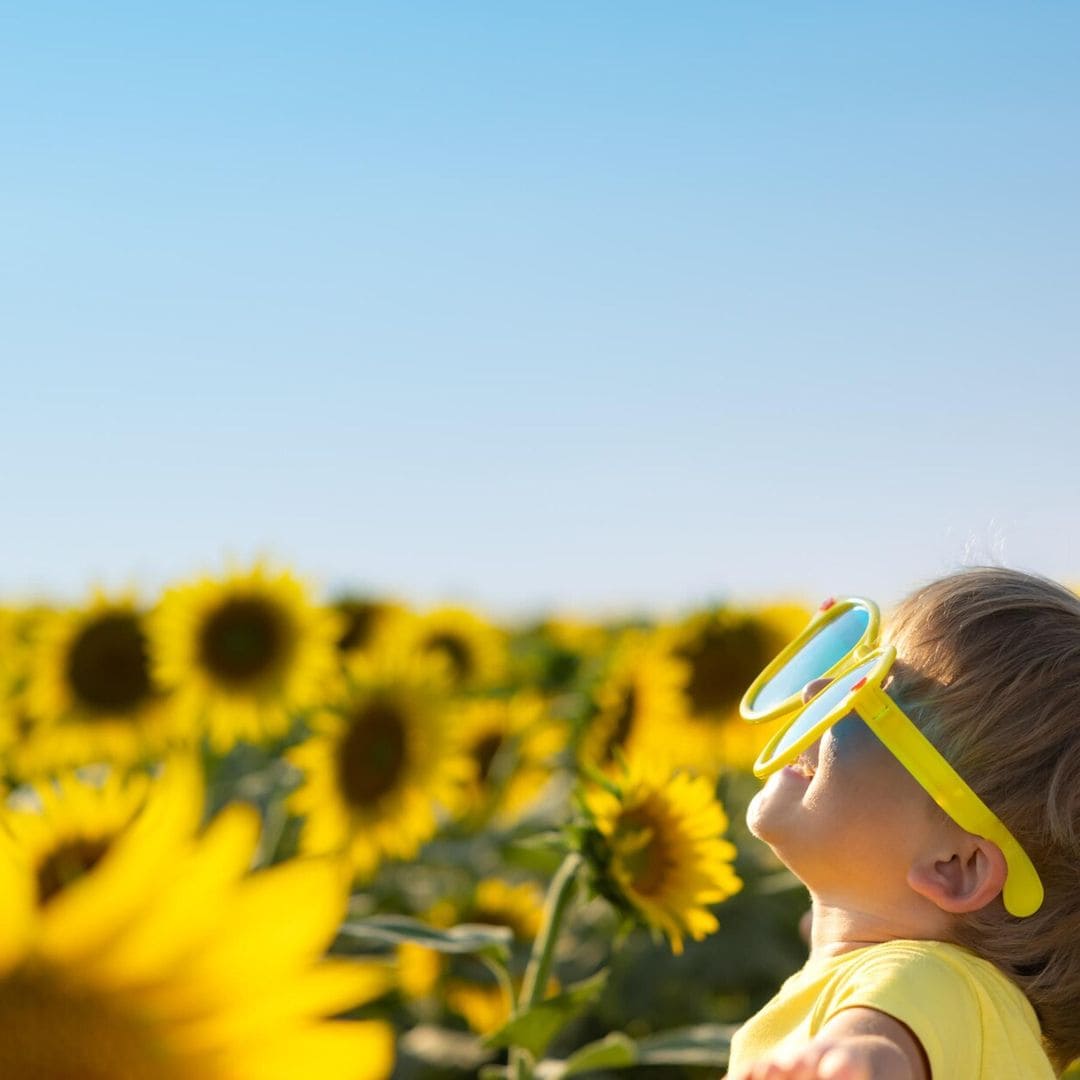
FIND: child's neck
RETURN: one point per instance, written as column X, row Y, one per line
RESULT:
column 839, row 929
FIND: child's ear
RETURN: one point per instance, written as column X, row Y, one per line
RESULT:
column 964, row 879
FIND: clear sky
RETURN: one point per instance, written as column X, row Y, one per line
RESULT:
column 586, row 304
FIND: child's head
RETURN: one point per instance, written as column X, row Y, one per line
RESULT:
column 989, row 668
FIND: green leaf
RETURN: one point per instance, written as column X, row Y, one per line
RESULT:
column 536, row 1027
column 539, row 852
column 615, row 1051
column 467, row 938
column 703, row 1044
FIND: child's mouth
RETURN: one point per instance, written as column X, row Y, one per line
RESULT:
column 804, row 767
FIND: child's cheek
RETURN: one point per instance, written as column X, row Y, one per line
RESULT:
column 851, row 740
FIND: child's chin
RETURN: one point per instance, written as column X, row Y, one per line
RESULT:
column 760, row 815
column 770, row 811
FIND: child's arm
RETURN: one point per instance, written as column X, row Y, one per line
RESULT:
column 856, row 1044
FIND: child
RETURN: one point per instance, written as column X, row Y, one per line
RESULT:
column 917, row 970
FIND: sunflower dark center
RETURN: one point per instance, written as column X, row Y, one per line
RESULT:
column 67, row 863
column 455, row 649
column 373, row 754
column 643, row 848
column 108, row 666
column 360, row 617
column 624, row 723
column 723, row 662
column 244, row 640
column 55, row 1031
column 562, row 668
column 484, row 751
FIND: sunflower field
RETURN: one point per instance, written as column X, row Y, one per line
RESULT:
column 252, row 833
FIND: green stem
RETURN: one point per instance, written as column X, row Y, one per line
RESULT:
column 502, row 977
column 520, row 1065
column 560, row 893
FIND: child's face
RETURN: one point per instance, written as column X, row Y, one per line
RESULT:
column 849, row 821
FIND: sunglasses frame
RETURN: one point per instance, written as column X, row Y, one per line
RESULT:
column 829, row 612
column 1022, row 893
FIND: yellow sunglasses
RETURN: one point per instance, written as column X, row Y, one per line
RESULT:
column 841, row 643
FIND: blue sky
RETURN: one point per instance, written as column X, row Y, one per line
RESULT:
column 584, row 305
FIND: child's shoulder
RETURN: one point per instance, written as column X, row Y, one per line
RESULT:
column 971, row 1021
column 955, row 1002
column 926, row 969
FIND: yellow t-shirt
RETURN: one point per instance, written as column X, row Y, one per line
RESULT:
column 973, row 1022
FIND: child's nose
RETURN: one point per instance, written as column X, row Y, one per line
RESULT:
column 813, row 687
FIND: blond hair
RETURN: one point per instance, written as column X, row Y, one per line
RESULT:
column 989, row 667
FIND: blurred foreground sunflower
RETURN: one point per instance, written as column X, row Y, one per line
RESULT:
column 385, row 759
column 90, row 692
column 241, row 654
column 655, row 844
column 137, row 948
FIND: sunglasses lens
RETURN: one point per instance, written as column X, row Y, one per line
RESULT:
column 822, row 705
column 826, row 648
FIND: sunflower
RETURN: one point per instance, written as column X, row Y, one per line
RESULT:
column 640, row 705
column 725, row 649
column 9, row 679
column 89, row 693
column 467, row 987
column 364, row 621
column 655, row 842
column 136, row 947
column 582, row 636
column 513, row 742
column 383, row 761
column 244, row 653
column 474, row 650
column 557, row 652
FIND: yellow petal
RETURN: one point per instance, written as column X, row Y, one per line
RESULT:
column 187, row 910
column 332, row 987
column 277, row 921
column 18, row 893
column 87, row 915
column 335, row 1050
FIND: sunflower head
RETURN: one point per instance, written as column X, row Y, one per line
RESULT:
column 513, row 743
column 65, row 826
column 465, row 985
column 473, row 650
column 384, row 762
column 726, row 649
column 244, row 653
column 94, row 663
column 134, row 946
column 89, row 690
column 520, row 907
column 363, row 621
column 557, row 653
column 656, row 849
column 639, row 706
